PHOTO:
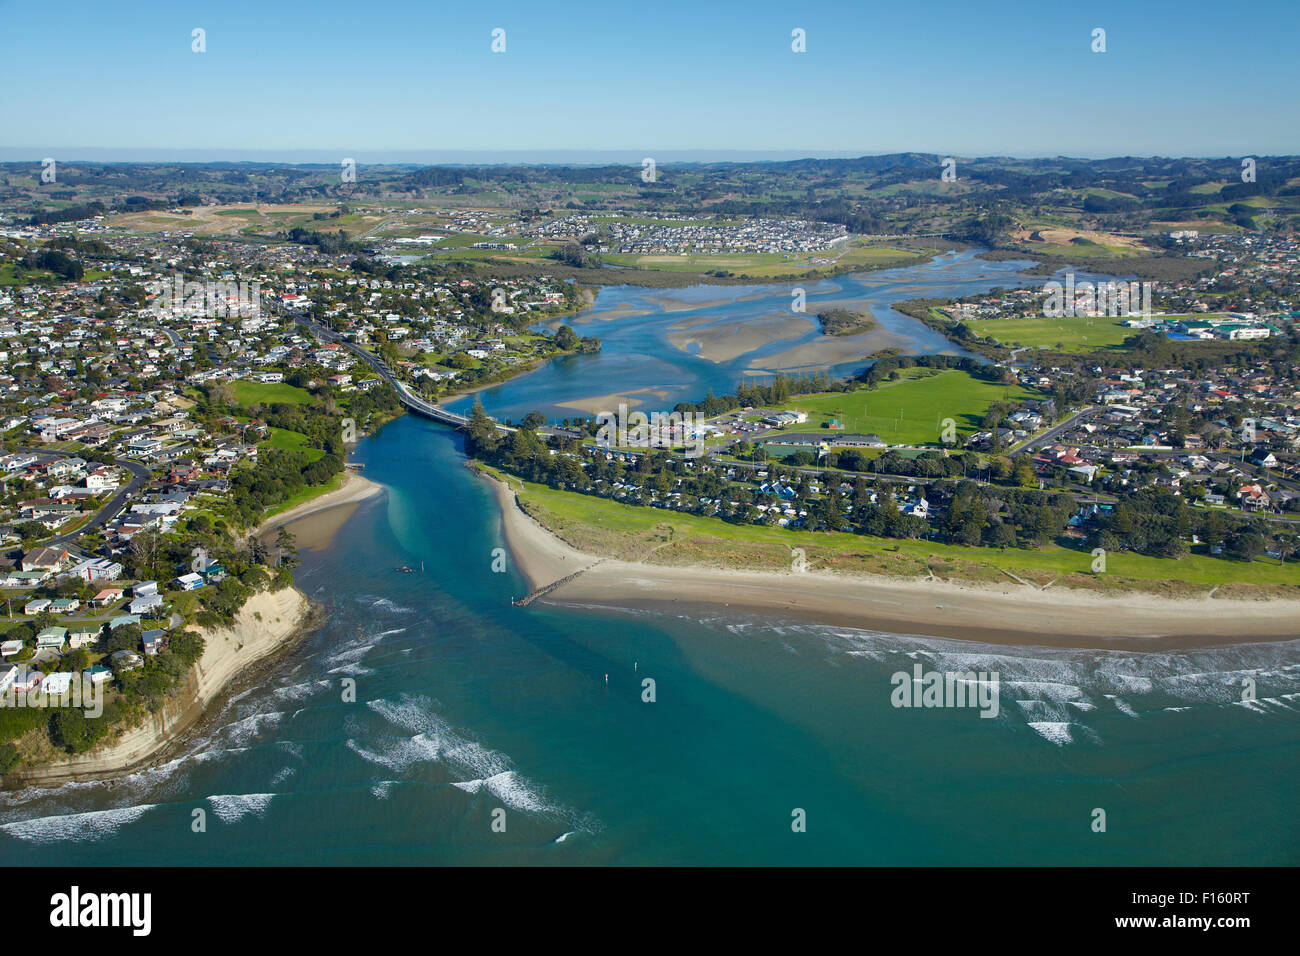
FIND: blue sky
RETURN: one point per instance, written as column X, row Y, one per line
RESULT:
column 417, row 80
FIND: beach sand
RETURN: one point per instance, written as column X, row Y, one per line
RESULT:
column 1013, row 615
column 355, row 489
column 315, row 531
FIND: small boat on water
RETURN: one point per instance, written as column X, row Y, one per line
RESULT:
column 404, row 570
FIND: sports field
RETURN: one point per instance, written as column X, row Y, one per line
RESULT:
column 910, row 411
column 1066, row 334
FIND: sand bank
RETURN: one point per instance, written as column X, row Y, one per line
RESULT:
column 355, row 489
column 670, row 303
column 1012, row 615
column 723, row 341
column 602, row 404
column 831, row 350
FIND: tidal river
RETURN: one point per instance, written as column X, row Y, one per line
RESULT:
column 470, row 711
column 661, row 347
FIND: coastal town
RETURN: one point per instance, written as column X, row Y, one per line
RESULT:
column 164, row 390
column 154, row 409
column 148, row 375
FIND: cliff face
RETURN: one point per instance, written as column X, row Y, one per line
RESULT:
column 267, row 623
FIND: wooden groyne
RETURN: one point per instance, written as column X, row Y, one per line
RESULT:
column 546, row 589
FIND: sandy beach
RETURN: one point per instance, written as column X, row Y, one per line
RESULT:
column 1012, row 615
column 355, row 489
column 268, row 625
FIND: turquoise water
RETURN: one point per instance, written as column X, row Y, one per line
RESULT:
column 466, row 705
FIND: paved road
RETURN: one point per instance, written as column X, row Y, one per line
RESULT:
column 139, row 478
column 408, row 398
column 1050, row 436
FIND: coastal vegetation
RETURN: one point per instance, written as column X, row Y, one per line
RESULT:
column 619, row 529
column 140, row 684
column 1006, row 510
column 979, row 496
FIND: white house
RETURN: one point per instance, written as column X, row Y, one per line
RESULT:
column 97, row 569
column 189, row 582
column 56, row 685
column 145, row 603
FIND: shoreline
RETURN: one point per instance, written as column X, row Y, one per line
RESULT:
column 1025, row 616
column 355, row 489
column 266, row 629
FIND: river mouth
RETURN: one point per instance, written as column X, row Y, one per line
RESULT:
column 665, row 346
column 465, row 704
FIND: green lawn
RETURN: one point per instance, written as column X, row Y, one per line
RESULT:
column 1069, row 333
column 757, row 264
column 9, row 275
column 877, row 256
column 257, row 393
column 911, row 410
column 286, row 440
column 1066, row 334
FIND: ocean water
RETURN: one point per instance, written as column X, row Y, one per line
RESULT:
column 470, row 711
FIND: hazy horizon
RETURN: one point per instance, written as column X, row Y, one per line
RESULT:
column 520, row 157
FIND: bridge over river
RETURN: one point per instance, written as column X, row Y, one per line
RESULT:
column 414, row 403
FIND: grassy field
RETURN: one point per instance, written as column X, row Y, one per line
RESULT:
column 911, row 410
column 758, row 264
column 262, row 219
column 878, row 256
column 1066, row 334
column 286, row 440
column 258, row 393
column 9, row 275
column 665, row 537
column 768, row 264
